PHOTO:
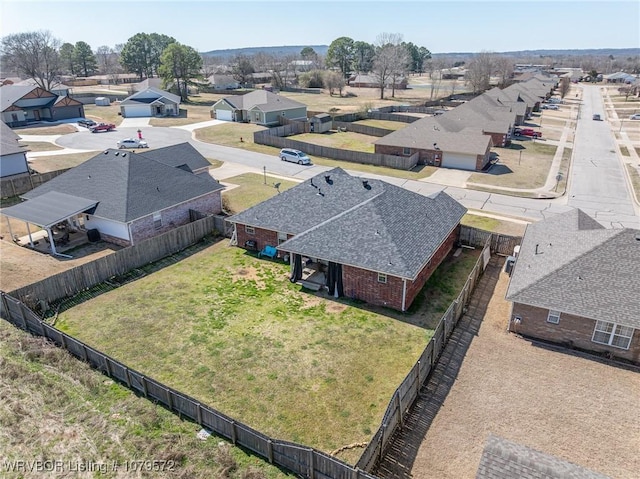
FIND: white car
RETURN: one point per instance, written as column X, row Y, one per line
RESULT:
column 295, row 156
column 635, row 117
column 132, row 143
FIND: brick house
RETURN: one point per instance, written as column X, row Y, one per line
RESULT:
column 126, row 196
column 576, row 283
column 359, row 238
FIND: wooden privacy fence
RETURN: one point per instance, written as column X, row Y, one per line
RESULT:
column 500, row 244
column 272, row 137
column 90, row 274
column 20, row 184
column 296, row 458
column 364, row 129
column 407, row 392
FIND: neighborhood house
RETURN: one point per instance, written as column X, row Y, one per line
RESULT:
column 260, row 107
column 358, row 238
column 576, row 283
column 150, row 102
column 22, row 104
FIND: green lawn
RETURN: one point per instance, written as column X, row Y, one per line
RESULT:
column 251, row 190
column 232, row 331
column 55, row 407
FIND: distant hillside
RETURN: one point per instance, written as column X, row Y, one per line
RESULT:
column 276, row 51
column 322, row 50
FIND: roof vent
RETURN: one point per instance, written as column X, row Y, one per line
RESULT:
column 366, row 184
column 157, row 188
column 638, row 237
column 328, row 179
column 117, row 153
column 106, row 152
column 124, row 154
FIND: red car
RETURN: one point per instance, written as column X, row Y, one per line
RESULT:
column 102, row 127
column 527, row 132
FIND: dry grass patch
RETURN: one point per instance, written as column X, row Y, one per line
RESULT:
column 494, row 225
column 61, row 129
column 524, row 165
column 40, row 146
column 343, row 140
column 388, row 124
column 104, row 114
column 43, row 164
column 250, row 190
column 634, row 175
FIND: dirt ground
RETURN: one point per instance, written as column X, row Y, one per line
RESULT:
column 571, row 406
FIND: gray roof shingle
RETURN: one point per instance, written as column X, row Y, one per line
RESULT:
column 570, row 263
column 385, row 228
column 262, row 99
column 9, row 141
column 178, row 155
column 502, row 459
column 127, row 185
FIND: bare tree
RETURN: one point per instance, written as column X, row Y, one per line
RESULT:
column 242, row 70
column 391, row 61
column 436, row 67
column 503, row 67
column 479, row 71
column 334, row 81
column 34, row 54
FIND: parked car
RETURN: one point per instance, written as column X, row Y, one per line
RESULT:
column 86, row 122
column 597, row 117
column 550, row 107
column 635, row 117
column 295, row 156
column 132, row 143
column 102, row 127
column 527, row 132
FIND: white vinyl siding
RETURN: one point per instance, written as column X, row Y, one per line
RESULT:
column 612, row 334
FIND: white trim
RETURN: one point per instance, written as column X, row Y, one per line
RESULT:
column 382, row 276
column 247, row 228
column 404, row 294
column 613, row 334
column 553, row 317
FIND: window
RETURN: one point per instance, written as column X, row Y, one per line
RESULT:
column 554, row 317
column 382, row 278
column 157, row 220
column 406, row 151
column 282, row 237
column 250, row 230
column 612, row 334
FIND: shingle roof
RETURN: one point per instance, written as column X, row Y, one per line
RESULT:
column 502, row 459
column 579, row 268
column 422, row 134
column 384, row 228
column 481, row 113
column 9, row 94
column 178, row 155
column 9, row 141
column 128, row 185
column 262, row 99
column 156, row 94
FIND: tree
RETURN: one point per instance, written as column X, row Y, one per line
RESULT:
column 242, row 70
column 308, row 53
column 84, row 58
column 334, row 81
column 363, row 56
column 391, row 61
column 141, row 54
column 312, row 79
column 418, row 56
column 182, row 64
column 34, row 54
column 565, row 85
column 67, row 60
column 341, row 55
column 479, row 71
column 503, row 68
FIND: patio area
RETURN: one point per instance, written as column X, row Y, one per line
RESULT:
column 65, row 239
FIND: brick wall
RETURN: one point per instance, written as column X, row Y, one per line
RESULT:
column 497, row 139
column 178, row 215
column 364, row 285
column 262, row 237
column 573, row 331
column 414, row 287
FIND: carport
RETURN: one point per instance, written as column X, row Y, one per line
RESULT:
column 48, row 210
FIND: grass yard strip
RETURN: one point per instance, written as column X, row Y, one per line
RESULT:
column 104, row 114
column 61, row 129
column 232, row 331
column 494, row 225
column 55, row 406
column 44, row 164
column 250, row 190
column 565, row 163
column 343, row 140
column 39, row 146
column 387, row 124
column 635, row 179
column 523, row 165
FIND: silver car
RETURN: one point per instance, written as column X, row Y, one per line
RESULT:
column 295, row 156
column 132, row 143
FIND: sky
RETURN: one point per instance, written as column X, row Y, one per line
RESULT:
column 440, row 26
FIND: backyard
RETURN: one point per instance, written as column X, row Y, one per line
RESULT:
column 223, row 321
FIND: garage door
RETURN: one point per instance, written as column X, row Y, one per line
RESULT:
column 223, row 115
column 136, row 111
column 458, row 161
